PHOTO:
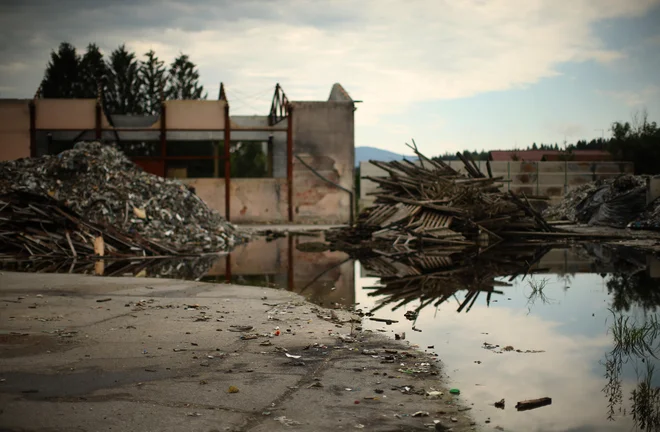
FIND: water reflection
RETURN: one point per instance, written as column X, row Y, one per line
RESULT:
column 566, row 311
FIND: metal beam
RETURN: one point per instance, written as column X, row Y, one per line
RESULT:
column 289, row 160
column 227, row 158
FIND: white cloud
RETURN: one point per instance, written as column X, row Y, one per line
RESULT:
column 390, row 54
column 635, row 98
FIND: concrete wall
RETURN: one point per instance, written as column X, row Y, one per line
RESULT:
column 324, row 138
column 552, row 179
column 259, row 200
column 14, row 129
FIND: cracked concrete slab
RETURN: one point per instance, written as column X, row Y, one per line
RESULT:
column 88, row 353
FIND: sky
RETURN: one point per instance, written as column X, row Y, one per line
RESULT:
column 452, row 75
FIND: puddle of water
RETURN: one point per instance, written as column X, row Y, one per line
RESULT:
column 571, row 312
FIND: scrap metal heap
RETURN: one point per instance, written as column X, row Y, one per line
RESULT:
column 95, row 190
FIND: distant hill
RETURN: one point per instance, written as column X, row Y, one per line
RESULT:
column 364, row 154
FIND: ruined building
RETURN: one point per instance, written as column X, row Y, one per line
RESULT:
column 295, row 164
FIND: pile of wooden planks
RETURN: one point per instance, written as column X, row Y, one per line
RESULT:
column 39, row 227
column 428, row 203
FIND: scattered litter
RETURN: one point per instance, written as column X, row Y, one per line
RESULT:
column 103, row 300
column 193, row 414
column 286, row 422
column 240, row 328
column 434, row 395
column 233, row 389
column 500, row 404
column 455, row 391
column 421, row 414
column 292, row 356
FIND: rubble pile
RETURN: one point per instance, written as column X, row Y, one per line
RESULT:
column 648, row 220
column 100, row 183
column 431, row 205
column 610, row 202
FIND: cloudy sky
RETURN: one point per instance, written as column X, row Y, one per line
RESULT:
column 462, row 74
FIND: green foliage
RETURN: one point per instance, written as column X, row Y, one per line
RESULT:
column 123, row 93
column 638, row 142
column 183, row 80
column 93, row 72
column 248, row 160
column 153, row 77
column 62, row 77
column 129, row 86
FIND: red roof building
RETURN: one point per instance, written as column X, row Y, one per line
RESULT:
column 549, row 155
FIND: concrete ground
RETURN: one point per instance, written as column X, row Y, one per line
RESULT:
column 85, row 353
column 640, row 239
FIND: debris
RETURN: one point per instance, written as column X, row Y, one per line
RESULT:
column 292, row 356
column 233, row 389
column 500, row 404
column 100, row 182
column 193, row 414
column 533, row 404
column 411, row 315
column 610, row 202
column 286, row 422
column 240, row 328
column 434, row 395
column 316, row 384
column 107, row 299
column 421, row 414
column 430, row 204
column 385, row 320
column 455, row 391
column 400, row 336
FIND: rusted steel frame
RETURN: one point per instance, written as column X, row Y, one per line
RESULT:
column 227, row 158
column 289, row 160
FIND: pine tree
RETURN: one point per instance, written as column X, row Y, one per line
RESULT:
column 153, row 78
column 93, row 71
column 62, row 77
column 124, row 90
column 184, row 80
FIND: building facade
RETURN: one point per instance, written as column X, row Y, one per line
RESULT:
column 294, row 165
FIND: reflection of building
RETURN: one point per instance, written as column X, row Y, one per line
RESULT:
column 321, row 277
column 267, row 174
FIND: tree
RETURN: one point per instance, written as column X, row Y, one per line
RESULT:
column 534, row 146
column 123, row 93
column 62, row 77
column 638, row 142
column 248, row 160
column 184, row 80
column 154, row 79
column 93, row 72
